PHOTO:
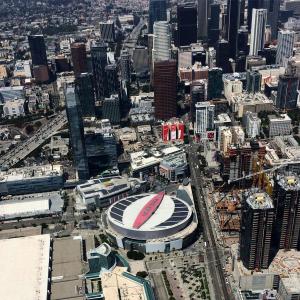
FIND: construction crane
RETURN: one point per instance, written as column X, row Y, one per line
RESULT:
column 284, row 164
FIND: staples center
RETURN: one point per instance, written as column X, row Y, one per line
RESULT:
column 152, row 222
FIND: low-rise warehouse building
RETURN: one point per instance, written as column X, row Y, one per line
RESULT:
column 29, row 180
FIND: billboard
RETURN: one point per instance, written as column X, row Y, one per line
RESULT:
column 172, row 131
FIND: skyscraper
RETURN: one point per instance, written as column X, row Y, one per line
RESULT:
column 285, row 46
column 197, row 95
column 272, row 7
column 78, row 54
column 253, row 81
column 214, row 24
column 113, row 85
column 99, row 62
column 215, row 83
column 256, row 230
column 37, row 50
column 125, row 66
column 251, row 5
column 111, row 109
column 161, row 42
column 287, row 91
column 76, row 129
column 85, row 91
column 187, row 24
column 205, row 113
column 157, row 12
column 287, row 207
column 202, row 19
column 233, row 23
column 222, row 55
column 165, row 89
column 107, row 31
column 257, row 37
column 243, row 41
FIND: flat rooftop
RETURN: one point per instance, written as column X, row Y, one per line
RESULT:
column 31, row 172
column 116, row 285
column 67, row 269
column 24, row 267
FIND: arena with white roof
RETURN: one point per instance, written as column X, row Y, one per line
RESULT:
column 152, row 222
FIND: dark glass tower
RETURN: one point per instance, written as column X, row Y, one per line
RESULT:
column 76, row 129
column 85, row 92
column 287, row 91
column 213, row 24
column 287, row 207
column 113, row 85
column 253, row 81
column 78, row 54
column 99, row 62
column 222, row 55
column 256, row 230
column 272, row 7
column 187, row 24
column 233, row 24
column 165, row 88
column 37, row 50
column 251, row 4
column 157, row 12
column 215, row 83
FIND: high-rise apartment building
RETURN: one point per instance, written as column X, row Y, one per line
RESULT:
column 37, row 50
column 161, row 41
column 79, row 59
column 287, row 207
column 165, row 89
column 187, row 24
column 285, row 46
column 74, row 114
column 157, row 12
column 205, row 113
column 202, row 19
column 99, row 62
column 85, row 91
column 256, row 230
column 257, row 36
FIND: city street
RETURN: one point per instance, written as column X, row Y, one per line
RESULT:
column 221, row 289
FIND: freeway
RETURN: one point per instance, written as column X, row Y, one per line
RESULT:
column 131, row 40
column 221, row 289
column 23, row 149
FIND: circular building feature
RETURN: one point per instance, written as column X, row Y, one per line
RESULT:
column 150, row 218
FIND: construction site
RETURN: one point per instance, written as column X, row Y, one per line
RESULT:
column 226, row 201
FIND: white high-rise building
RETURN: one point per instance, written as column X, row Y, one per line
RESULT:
column 162, row 41
column 258, row 26
column 285, row 46
column 205, row 113
column 252, row 124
